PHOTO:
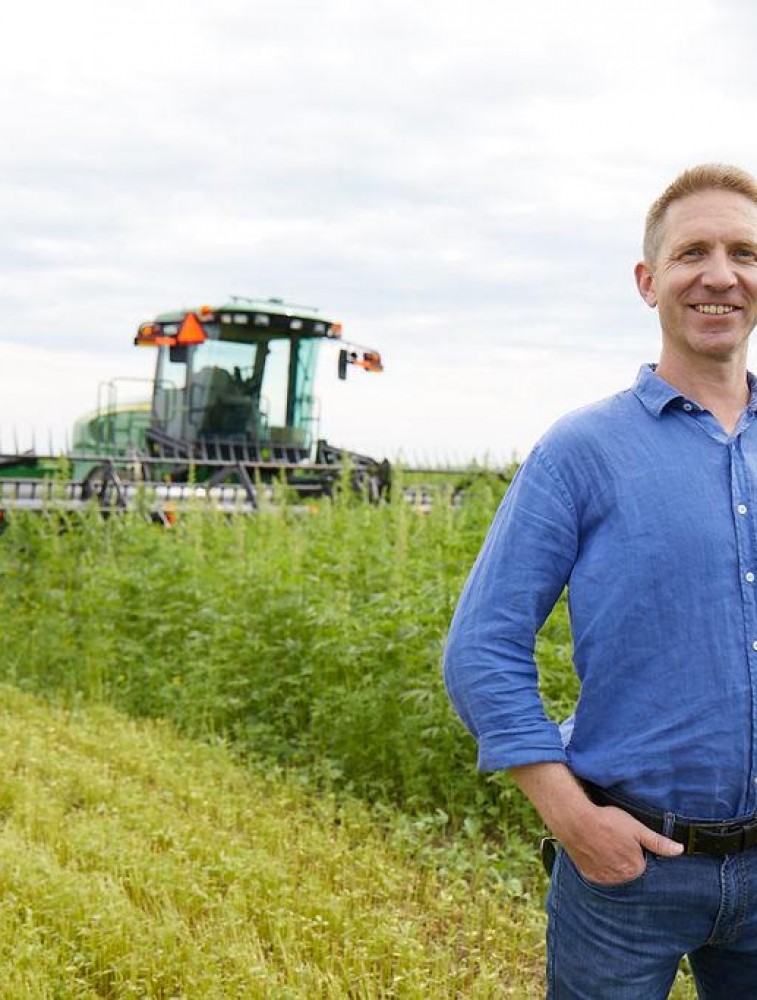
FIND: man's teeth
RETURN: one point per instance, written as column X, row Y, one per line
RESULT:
column 715, row 310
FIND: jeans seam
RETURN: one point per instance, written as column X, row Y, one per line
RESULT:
column 551, row 949
column 740, row 910
column 717, row 937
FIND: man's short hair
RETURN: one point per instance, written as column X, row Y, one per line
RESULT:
column 705, row 177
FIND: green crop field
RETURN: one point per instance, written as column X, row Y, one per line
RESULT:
column 232, row 770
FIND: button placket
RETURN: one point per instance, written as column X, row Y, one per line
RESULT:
column 747, row 556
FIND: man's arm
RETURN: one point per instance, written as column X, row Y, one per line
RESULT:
column 492, row 679
column 605, row 843
column 489, row 665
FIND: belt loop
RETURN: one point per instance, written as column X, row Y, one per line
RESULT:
column 668, row 822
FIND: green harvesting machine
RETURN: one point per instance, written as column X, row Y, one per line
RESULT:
column 232, row 412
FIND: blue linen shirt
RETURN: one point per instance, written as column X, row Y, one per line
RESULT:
column 646, row 509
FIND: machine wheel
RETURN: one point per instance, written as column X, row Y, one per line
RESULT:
column 103, row 483
column 95, row 483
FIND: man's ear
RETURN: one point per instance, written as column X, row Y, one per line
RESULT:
column 645, row 284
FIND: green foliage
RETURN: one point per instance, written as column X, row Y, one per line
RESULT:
column 309, row 643
column 311, row 636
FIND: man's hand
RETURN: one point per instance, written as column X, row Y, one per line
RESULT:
column 610, row 850
column 605, row 843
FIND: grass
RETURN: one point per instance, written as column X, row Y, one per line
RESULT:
column 134, row 863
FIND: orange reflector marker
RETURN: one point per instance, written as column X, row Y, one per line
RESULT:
column 206, row 311
column 191, row 331
column 370, row 362
column 148, row 335
column 335, row 330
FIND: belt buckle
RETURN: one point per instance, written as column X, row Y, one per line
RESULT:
column 709, row 838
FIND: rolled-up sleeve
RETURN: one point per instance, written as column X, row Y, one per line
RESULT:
column 489, row 666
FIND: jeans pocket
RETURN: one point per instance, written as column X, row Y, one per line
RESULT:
column 611, row 888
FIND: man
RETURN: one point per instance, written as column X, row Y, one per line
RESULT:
column 645, row 506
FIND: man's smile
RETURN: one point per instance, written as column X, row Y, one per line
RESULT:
column 714, row 310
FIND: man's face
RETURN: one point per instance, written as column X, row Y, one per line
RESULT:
column 704, row 281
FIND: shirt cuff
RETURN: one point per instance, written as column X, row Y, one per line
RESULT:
column 501, row 751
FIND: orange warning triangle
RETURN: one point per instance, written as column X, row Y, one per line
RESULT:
column 191, row 331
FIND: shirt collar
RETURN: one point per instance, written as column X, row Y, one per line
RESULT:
column 656, row 394
column 752, row 383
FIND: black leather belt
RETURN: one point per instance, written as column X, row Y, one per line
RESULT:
column 697, row 837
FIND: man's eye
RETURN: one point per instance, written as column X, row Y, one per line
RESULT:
column 745, row 253
column 692, row 253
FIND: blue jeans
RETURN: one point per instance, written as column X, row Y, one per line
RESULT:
column 625, row 942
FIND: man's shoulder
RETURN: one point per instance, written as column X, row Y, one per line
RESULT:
column 592, row 423
column 590, row 445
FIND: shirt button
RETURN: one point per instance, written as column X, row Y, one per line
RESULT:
column 749, row 577
column 754, row 645
column 741, row 508
column 688, row 407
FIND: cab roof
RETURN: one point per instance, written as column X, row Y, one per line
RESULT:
column 274, row 313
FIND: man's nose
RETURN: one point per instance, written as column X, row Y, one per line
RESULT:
column 720, row 271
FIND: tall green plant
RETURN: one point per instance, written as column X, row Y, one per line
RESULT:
column 311, row 636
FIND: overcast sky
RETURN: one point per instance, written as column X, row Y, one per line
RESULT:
column 463, row 185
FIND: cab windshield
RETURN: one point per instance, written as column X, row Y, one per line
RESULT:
column 238, row 384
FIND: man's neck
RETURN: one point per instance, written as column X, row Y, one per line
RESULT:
column 721, row 388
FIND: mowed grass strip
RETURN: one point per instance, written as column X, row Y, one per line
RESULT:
column 134, row 863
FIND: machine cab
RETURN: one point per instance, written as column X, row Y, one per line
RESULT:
column 241, row 375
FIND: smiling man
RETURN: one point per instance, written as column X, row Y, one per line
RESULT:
column 700, row 273
column 645, row 506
